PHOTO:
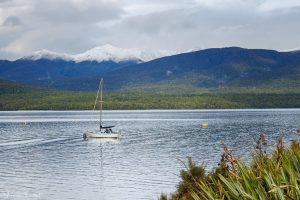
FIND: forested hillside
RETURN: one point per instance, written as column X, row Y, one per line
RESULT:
column 14, row 96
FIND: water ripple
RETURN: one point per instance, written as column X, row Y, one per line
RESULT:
column 43, row 154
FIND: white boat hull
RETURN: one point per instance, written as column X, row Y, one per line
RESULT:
column 101, row 135
column 105, row 132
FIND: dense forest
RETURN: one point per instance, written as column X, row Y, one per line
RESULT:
column 23, row 97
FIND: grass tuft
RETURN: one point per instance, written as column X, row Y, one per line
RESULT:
column 268, row 176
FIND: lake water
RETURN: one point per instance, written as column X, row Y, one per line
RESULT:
column 43, row 155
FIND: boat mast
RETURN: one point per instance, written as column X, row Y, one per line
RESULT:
column 101, row 87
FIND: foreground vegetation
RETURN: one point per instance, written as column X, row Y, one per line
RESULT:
column 275, row 176
column 15, row 96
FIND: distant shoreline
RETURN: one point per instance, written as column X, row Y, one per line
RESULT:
column 145, row 101
column 162, row 110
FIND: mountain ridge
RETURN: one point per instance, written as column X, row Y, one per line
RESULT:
column 215, row 67
column 207, row 69
column 101, row 53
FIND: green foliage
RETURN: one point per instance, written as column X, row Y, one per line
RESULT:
column 189, row 179
column 275, row 176
column 163, row 197
column 15, row 96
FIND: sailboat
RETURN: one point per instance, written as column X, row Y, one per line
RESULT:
column 105, row 131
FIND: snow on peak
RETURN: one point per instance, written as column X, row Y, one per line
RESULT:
column 108, row 52
column 103, row 53
column 50, row 55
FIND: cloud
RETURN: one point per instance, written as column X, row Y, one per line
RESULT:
column 73, row 26
column 87, row 11
column 60, row 25
column 3, row 1
column 278, row 4
column 12, row 21
column 204, row 25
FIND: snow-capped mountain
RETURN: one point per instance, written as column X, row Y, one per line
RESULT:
column 218, row 66
column 102, row 53
column 49, row 55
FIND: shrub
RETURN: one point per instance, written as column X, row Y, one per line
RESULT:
column 274, row 176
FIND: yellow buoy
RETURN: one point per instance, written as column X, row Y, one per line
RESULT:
column 204, row 125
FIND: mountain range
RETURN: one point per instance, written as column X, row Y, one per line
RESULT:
column 125, row 69
column 102, row 53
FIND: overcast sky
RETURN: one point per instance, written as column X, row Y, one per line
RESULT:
column 74, row 26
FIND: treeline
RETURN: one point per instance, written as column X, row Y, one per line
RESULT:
column 15, row 96
column 58, row 100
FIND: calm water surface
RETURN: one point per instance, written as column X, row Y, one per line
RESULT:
column 43, row 155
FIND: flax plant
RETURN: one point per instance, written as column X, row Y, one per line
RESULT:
column 275, row 176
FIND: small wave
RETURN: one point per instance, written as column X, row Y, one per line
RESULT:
column 33, row 142
column 54, row 140
column 20, row 142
